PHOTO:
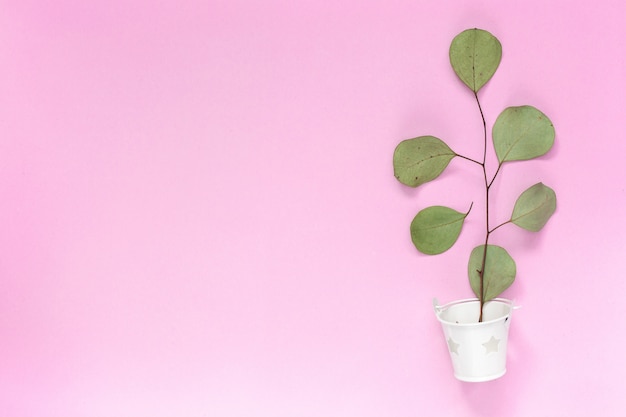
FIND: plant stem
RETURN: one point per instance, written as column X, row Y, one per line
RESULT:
column 487, row 229
column 469, row 159
column 495, row 175
column 499, row 226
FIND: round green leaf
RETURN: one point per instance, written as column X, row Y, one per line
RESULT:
column 499, row 271
column 534, row 207
column 522, row 133
column 435, row 229
column 419, row 160
column 475, row 55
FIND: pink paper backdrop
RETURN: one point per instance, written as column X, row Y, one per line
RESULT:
column 199, row 217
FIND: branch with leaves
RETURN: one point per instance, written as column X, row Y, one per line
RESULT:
column 518, row 134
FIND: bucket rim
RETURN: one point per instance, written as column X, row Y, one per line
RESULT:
column 440, row 308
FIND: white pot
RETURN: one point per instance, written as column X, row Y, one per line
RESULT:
column 477, row 350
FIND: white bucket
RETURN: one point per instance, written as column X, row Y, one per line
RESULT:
column 477, row 350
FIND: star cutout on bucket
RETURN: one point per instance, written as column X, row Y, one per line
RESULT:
column 491, row 345
column 453, row 346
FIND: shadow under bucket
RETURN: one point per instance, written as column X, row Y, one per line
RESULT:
column 477, row 350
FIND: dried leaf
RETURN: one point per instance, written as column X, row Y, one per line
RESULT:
column 435, row 229
column 419, row 160
column 475, row 55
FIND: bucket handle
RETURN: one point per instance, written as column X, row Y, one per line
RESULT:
column 439, row 308
column 436, row 306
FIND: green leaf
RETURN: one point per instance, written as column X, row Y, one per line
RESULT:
column 522, row 133
column 475, row 55
column 435, row 229
column 419, row 160
column 534, row 207
column 499, row 271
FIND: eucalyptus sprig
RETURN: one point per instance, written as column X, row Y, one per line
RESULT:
column 518, row 134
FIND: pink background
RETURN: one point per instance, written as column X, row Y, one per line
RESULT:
column 199, row 215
